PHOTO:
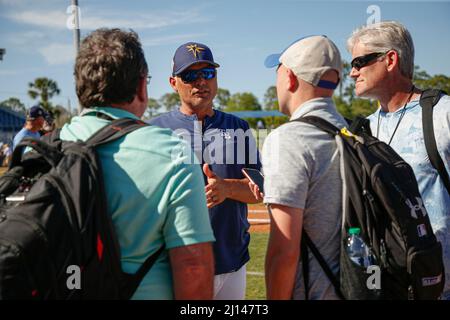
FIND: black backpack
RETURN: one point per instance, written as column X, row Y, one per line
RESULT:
column 382, row 199
column 57, row 240
column 428, row 99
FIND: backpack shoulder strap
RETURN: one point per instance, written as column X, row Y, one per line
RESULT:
column 359, row 125
column 306, row 241
column 134, row 280
column 335, row 282
column 52, row 137
column 49, row 152
column 115, row 130
column 305, row 264
column 319, row 123
column 428, row 100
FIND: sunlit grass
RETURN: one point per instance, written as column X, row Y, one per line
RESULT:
column 256, row 289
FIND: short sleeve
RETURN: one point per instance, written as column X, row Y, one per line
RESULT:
column 286, row 170
column 187, row 219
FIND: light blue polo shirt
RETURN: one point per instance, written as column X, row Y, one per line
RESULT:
column 154, row 196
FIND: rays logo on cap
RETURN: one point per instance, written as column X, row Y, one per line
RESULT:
column 195, row 49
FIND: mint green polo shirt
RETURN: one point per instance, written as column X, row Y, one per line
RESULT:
column 154, row 196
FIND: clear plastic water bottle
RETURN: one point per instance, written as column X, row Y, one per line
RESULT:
column 357, row 249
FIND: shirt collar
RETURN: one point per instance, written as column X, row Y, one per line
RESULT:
column 322, row 103
column 114, row 113
column 409, row 105
column 180, row 115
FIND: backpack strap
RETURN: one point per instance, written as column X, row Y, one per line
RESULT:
column 50, row 153
column 359, row 126
column 111, row 132
column 306, row 240
column 52, row 137
column 305, row 264
column 115, row 130
column 319, row 123
column 428, row 100
column 135, row 279
column 335, row 282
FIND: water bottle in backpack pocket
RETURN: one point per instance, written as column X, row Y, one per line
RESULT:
column 357, row 250
column 355, row 262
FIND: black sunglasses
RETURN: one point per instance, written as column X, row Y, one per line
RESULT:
column 362, row 61
column 192, row 75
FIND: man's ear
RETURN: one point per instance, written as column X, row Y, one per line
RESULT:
column 142, row 89
column 173, row 83
column 292, row 81
column 392, row 60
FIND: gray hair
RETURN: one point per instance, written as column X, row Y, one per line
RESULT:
column 384, row 36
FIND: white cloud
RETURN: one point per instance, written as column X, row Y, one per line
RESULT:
column 50, row 19
column 57, row 53
column 92, row 20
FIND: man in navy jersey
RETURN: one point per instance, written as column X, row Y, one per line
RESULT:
column 223, row 144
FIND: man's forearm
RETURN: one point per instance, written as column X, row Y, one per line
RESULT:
column 193, row 271
column 280, row 274
column 283, row 250
column 238, row 189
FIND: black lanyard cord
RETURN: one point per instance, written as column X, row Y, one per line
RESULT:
column 399, row 120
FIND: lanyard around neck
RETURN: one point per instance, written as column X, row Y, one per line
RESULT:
column 399, row 120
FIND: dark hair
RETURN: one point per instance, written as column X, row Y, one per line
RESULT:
column 108, row 67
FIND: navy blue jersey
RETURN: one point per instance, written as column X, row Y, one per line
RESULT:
column 226, row 143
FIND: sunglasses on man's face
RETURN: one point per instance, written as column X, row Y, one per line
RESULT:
column 362, row 61
column 192, row 75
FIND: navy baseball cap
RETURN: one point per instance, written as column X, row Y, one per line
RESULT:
column 36, row 112
column 191, row 53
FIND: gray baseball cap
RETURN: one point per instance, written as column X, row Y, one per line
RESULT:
column 309, row 58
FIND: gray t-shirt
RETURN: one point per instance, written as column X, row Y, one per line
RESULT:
column 301, row 165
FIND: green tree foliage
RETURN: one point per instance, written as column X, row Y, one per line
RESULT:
column 346, row 69
column 243, row 101
column 358, row 107
column 363, row 107
column 222, row 98
column 423, row 80
column 170, row 101
column 14, row 104
column 439, row 81
column 343, row 107
column 152, row 108
column 44, row 89
column 274, row 122
column 420, row 75
column 271, row 99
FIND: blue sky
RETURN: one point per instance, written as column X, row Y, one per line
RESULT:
column 240, row 33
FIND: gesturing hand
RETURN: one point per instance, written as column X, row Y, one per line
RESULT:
column 216, row 190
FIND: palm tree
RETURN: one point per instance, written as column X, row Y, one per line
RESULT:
column 45, row 89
